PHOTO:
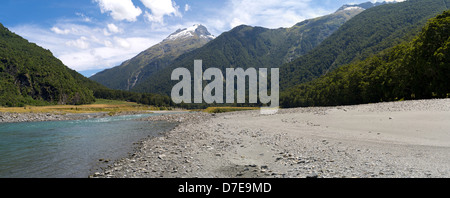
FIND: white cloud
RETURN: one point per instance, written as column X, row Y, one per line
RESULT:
column 270, row 13
column 81, row 43
column 120, row 9
column 109, row 55
column 159, row 9
column 108, row 43
column 187, row 7
column 267, row 13
column 121, row 42
column 59, row 31
column 86, row 47
column 113, row 28
column 84, row 17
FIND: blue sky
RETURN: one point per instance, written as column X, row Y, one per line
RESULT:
column 93, row 35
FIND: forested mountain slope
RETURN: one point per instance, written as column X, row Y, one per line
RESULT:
column 368, row 33
column 419, row 69
column 30, row 74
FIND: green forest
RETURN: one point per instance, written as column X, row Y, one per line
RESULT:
column 31, row 75
column 419, row 69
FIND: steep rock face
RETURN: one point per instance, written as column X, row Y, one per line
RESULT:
column 31, row 75
column 245, row 46
column 134, row 71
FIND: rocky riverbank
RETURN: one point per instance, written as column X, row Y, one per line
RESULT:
column 7, row 117
column 401, row 139
column 38, row 117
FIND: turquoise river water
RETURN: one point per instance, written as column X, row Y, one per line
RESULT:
column 70, row 149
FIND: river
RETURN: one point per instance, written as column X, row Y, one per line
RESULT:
column 71, row 149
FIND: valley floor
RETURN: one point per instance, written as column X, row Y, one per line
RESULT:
column 398, row 139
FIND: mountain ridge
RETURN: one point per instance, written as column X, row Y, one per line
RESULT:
column 153, row 59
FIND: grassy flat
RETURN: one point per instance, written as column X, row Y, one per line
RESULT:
column 100, row 105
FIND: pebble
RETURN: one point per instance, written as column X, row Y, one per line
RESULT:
column 313, row 175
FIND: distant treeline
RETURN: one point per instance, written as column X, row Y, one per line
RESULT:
column 141, row 98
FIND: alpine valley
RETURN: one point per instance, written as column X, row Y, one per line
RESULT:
column 364, row 93
column 304, row 52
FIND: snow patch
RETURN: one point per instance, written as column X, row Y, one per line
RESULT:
column 182, row 34
column 207, row 37
column 353, row 8
column 187, row 32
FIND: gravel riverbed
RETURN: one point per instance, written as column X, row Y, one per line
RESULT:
column 397, row 139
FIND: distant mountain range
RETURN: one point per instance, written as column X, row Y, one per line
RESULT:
column 258, row 47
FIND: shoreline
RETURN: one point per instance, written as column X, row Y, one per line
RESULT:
column 9, row 117
column 395, row 139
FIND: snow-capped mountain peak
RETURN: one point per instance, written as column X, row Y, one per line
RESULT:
column 350, row 7
column 196, row 29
